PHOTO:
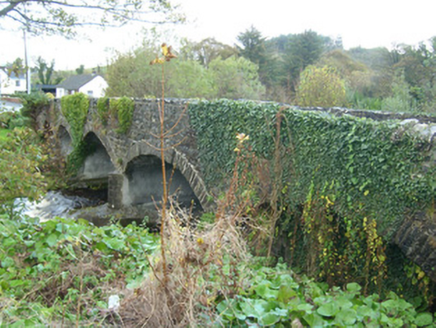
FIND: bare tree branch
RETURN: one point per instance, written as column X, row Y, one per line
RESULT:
column 62, row 17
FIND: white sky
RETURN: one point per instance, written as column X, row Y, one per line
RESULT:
column 368, row 23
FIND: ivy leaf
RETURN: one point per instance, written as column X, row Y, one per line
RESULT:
column 114, row 243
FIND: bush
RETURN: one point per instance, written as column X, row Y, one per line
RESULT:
column 33, row 104
column 321, row 87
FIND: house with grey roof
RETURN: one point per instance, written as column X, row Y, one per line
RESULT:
column 10, row 82
column 92, row 85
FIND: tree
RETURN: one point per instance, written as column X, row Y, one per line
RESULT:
column 63, row 17
column 289, row 55
column 206, row 50
column 80, row 70
column 253, row 46
column 45, row 72
column 235, row 78
column 131, row 75
column 321, row 87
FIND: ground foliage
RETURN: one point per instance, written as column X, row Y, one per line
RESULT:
column 357, row 177
column 64, row 271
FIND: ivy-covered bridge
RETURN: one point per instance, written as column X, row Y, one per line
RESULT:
column 360, row 169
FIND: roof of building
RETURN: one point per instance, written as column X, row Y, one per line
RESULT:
column 11, row 73
column 75, row 82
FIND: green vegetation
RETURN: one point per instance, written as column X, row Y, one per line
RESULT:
column 131, row 75
column 21, row 164
column 61, row 271
column 64, row 271
column 273, row 69
column 75, row 110
column 4, row 136
column 11, row 120
column 347, row 182
column 123, row 108
column 321, row 87
column 103, row 110
column 33, row 104
column 278, row 298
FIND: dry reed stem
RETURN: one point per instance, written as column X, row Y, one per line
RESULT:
column 193, row 256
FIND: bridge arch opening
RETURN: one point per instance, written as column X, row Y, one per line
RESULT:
column 65, row 143
column 97, row 164
column 145, row 184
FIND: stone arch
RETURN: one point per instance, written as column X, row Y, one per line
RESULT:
column 181, row 163
column 103, row 139
column 145, row 185
column 98, row 163
column 65, row 142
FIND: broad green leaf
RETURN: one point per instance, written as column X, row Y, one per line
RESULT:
column 346, row 316
column 254, row 308
column 344, row 302
column 305, row 307
column 52, row 240
column 423, row 319
column 328, row 309
column 269, row 319
column 353, row 287
column 285, row 293
column 264, row 291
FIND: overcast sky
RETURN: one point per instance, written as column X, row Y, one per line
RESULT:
column 369, row 23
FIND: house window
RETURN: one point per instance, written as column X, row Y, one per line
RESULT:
column 90, row 93
column 17, row 83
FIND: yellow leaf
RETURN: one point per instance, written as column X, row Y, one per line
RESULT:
column 157, row 61
column 164, row 49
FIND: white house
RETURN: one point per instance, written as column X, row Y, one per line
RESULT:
column 10, row 83
column 92, row 85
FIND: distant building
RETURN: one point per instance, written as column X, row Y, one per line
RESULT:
column 46, row 88
column 10, row 83
column 92, row 85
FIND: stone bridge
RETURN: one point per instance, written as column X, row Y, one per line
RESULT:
column 131, row 163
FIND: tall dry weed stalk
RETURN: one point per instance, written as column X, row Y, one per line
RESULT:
column 203, row 262
column 203, row 268
column 197, row 265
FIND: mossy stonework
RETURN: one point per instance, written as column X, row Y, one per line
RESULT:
column 371, row 166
